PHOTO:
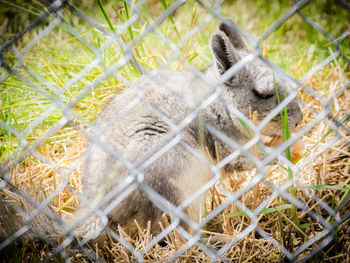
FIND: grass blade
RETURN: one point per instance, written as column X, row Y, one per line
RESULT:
column 105, row 15
column 263, row 211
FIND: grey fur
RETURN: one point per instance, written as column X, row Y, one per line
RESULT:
column 177, row 173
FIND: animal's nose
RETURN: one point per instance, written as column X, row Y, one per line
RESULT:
column 294, row 112
column 300, row 115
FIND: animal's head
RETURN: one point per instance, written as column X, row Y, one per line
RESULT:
column 254, row 86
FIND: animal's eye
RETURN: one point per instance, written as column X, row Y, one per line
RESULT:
column 262, row 96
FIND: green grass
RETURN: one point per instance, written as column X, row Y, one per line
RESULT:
column 57, row 58
column 60, row 55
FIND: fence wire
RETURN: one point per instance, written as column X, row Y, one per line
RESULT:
column 166, row 153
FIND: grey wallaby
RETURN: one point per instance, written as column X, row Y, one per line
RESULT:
column 123, row 137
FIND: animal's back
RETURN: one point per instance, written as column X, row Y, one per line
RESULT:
column 135, row 136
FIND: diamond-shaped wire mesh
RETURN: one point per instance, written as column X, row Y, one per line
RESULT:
column 164, row 131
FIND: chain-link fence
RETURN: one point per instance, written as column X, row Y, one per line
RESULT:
column 195, row 157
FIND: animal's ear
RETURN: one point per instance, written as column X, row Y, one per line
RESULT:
column 224, row 53
column 227, row 27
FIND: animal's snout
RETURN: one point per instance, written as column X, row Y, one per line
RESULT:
column 295, row 114
column 300, row 115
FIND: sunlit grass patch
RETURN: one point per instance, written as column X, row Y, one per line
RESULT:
column 58, row 66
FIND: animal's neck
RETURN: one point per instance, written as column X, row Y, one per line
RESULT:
column 212, row 75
